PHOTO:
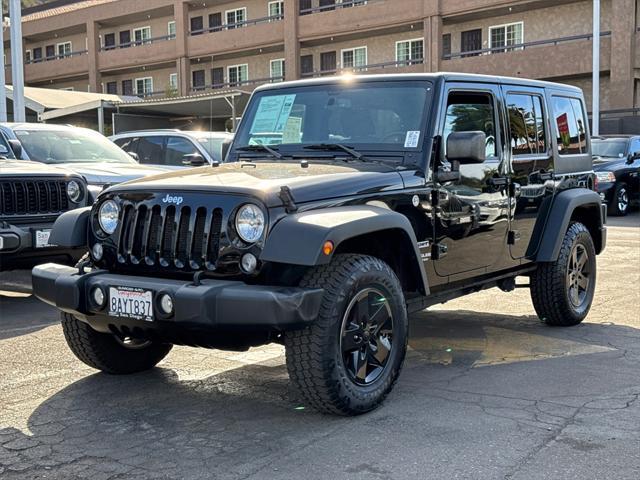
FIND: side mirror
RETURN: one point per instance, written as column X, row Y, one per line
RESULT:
column 193, row 159
column 467, row 147
column 16, row 146
column 134, row 155
column 632, row 157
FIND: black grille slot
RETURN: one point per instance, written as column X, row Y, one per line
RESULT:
column 33, row 197
column 186, row 238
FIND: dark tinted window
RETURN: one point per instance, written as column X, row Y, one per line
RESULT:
column 177, row 148
column 150, row 150
column 197, row 25
column 127, row 87
column 128, row 144
column 109, row 41
column 468, row 112
column 5, row 150
column 571, row 125
column 112, row 88
column 446, row 45
column 526, row 124
column 198, row 78
column 635, row 146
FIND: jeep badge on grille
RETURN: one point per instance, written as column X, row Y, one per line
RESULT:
column 169, row 199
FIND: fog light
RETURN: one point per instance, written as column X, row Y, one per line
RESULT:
column 97, row 251
column 98, row 296
column 166, row 304
column 248, row 263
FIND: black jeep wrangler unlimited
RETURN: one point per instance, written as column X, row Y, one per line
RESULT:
column 32, row 196
column 344, row 205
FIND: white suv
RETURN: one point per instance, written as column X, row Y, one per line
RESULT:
column 174, row 148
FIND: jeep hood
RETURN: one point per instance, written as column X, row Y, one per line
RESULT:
column 316, row 181
column 27, row 168
column 100, row 173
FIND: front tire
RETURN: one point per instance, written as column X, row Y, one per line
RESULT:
column 620, row 200
column 562, row 291
column 106, row 352
column 350, row 358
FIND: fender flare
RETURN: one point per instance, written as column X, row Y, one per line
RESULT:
column 298, row 238
column 70, row 228
column 562, row 208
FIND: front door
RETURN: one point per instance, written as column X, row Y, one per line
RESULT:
column 471, row 41
column 472, row 215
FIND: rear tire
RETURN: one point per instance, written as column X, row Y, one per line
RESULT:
column 105, row 352
column 562, row 291
column 620, row 201
column 350, row 358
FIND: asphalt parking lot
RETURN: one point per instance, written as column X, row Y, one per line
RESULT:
column 487, row 392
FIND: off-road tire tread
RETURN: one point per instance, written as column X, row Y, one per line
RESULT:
column 102, row 352
column 306, row 365
column 548, row 282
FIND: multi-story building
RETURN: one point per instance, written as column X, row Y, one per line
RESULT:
column 179, row 47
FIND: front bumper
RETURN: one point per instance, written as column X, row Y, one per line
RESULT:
column 211, row 305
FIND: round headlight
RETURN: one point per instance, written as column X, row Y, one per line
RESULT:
column 250, row 223
column 108, row 216
column 74, row 191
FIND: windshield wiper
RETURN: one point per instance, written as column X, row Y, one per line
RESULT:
column 336, row 146
column 261, row 148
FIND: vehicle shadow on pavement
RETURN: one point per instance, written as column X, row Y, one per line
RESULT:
column 234, row 423
column 22, row 313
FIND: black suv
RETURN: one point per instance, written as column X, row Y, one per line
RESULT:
column 348, row 203
column 616, row 162
column 32, row 195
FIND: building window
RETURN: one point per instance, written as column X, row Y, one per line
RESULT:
column 328, row 63
column 276, row 9
column 173, row 81
column 27, row 56
column 217, row 77
column 238, row 74
column 571, row 125
column 354, row 57
column 276, row 68
column 197, row 25
column 305, row 7
column 125, row 39
column 109, row 41
column 64, row 49
column 197, row 79
column 112, row 88
column 127, row 87
column 446, row 45
column 50, row 52
column 410, row 52
column 215, row 22
column 526, row 124
column 37, row 54
column 144, row 86
column 471, row 41
column 235, row 17
column 351, row 3
column 505, row 36
column 142, row 35
column 171, row 29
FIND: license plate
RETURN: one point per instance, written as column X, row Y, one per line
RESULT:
column 129, row 302
column 42, row 238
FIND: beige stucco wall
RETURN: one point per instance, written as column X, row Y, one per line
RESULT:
column 159, row 27
column 78, row 42
column 160, row 78
column 255, row 9
column 258, row 66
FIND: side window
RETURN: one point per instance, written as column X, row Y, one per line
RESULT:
column 634, row 147
column 128, row 144
column 176, row 149
column 150, row 150
column 470, row 111
column 526, row 124
column 5, row 150
column 571, row 126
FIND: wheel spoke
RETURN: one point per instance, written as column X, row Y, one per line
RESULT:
column 351, row 340
column 361, row 366
column 379, row 319
column 574, row 258
column 362, row 310
column 383, row 345
column 582, row 281
column 582, row 260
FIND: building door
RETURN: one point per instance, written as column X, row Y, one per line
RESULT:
column 197, row 25
column 217, row 77
column 125, row 39
column 306, row 65
column 109, row 41
column 50, row 51
column 127, row 87
column 328, row 62
column 215, row 22
column 471, row 41
column 472, row 217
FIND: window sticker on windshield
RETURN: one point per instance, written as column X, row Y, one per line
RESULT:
column 292, row 131
column 273, row 113
column 412, row 138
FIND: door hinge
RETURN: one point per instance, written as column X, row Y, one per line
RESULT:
column 438, row 251
column 513, row 236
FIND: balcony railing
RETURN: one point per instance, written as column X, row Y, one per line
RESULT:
column 227, row 85
column 231, row 26
column 522, row 46
column 57, row 57
column 364, row 68
column 137, row 43
column 335, row 6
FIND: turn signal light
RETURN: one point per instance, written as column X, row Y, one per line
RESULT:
column 327, row 248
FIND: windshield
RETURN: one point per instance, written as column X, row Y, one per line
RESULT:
column 5, row 150
column 69, row 146
column 212, row 145
column 361, row 115
column 609, row 148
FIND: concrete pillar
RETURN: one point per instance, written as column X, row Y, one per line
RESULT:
column 433, row 39
column 623, row 44
column 93, row 47
column 181, row 14
column 291, row 41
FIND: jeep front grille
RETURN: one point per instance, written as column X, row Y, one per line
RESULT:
column 177, row 237
column 33, row 197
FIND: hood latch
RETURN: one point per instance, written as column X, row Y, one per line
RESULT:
column 287, row 199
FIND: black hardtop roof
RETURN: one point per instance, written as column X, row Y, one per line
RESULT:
column 432, row 77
